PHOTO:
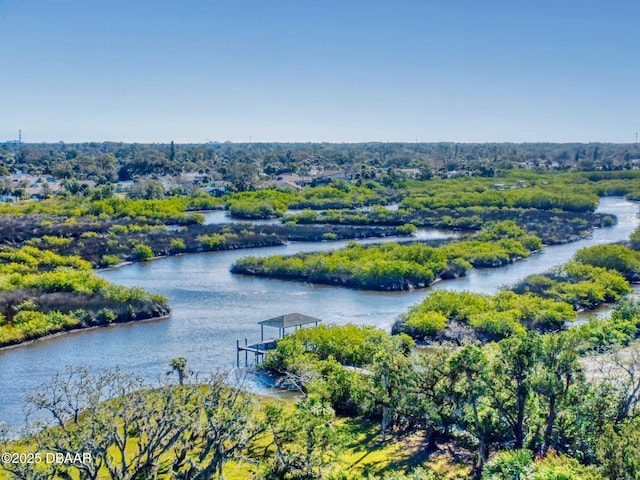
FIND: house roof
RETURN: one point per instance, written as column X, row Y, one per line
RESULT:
column 289, row 320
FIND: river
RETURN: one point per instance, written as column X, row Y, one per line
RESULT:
column 211, row 308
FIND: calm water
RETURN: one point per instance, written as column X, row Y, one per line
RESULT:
column 211, row 308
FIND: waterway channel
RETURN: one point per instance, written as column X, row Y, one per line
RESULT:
column 211, row 308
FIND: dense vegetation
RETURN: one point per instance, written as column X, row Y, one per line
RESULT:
column 394, row 266
column 527, row 405
column 106, row 230
column 544, row 302
column 501, row 387
column 109, row 241
column 42, row 292
column 516, row 396
column 534, row 204
column 241, row 164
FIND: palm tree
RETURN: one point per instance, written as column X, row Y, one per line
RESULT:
column 179, row 365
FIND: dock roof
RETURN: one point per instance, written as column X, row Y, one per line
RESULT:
column 290, row 320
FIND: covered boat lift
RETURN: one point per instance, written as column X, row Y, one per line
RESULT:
column 282, row 323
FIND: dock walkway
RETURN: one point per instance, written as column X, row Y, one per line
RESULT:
column 282, row 323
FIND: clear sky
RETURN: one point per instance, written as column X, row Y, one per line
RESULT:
column 320, row 70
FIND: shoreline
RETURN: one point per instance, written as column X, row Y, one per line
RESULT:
column 71, row 331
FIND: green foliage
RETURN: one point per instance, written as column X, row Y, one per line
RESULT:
column 418, row 473
column 427, row 322
column 212, row 242
column 497, row 316
column 107, row 316
column 202, row 201
column 29, row 324
column 408, row 228
column 612, row 257
column 142, row 252
column 627, row 309
column 31, row 259
column 305, row 440
column 329, row 361
column 519, row 464
column 460, row 193
column 579, row 284
column 163, row 209
column 259, row 204
column 508, row 465
column 51, row 240
column 498, row 324
column 619, row 450
column 388, row 266
column 601, row 334
column 109, row 260
column 460, row 306
column 177, row 245
column 348, row 344
column 560, row 467
column 338, row 194
column 63, row 279
column 305, row 216
column 190, row 431
column 42, row 272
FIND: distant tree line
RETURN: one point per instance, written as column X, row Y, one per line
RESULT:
column 242, row 163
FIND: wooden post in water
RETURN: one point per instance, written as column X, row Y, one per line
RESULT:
column 238, row 353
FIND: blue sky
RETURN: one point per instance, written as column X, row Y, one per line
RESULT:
column 336, row 71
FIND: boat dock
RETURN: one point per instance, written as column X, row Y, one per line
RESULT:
column 282, row 323
column 259, row 349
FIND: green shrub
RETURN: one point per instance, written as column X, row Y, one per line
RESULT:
column 177, row 244
column 498, row 324
column 109, row 260
column 508, row 465
column 142, row 252
column 427, row 323
column 107, row 315
column 601, row 334
column 408, row 228
column 212, row 241
column 612, row 257
column 118, row 230
column 618, row 450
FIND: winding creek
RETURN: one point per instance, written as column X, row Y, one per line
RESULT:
column 211, row 308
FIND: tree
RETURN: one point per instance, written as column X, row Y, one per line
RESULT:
column 244, row 176
column 147, row 189
column 125, row 426
column 619, row 450
column 142, row 252
column 179, row 366
column 510, row 380
column 225, row 424
column 434, row 397
column 469, row 371
column 388, row 388
column 556, row 375
column 303, row 440
column 620, row 370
